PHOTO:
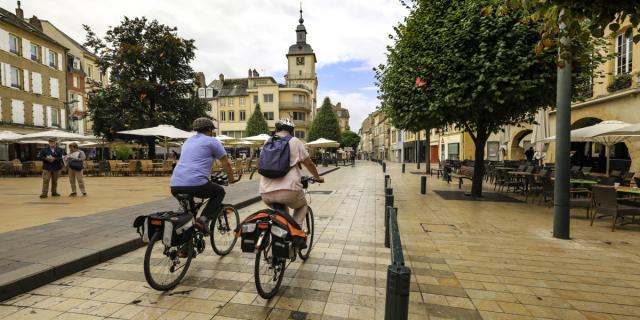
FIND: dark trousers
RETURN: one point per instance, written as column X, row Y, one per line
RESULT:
column 214, row 192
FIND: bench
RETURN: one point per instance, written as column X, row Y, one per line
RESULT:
column 465, row 172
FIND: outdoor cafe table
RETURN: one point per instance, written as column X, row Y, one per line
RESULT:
column 628, row 190
column 580, row 181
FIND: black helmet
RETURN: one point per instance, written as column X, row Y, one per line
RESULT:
column 202, row 124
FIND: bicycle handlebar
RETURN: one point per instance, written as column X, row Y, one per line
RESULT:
column 222, row 178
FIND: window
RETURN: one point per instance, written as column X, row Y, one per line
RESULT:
column 53, row 59
column 299, row 134
column 231, row 101
column 243, row 115
column 223, row 116
column 454, row 151
column 267, row 97
column 75, row 82
column 624, row 46
column 54, row 87
column 16, row 77
column 299, row 98
column 233, row 134
column 268, row 115
column 222, row 102
column 209, row 90
column 493, row 148
column 76, row 64
column 14, row 44
column 202, row 93
column 89, row 71
column 242, row 100
column 299, row 116
column 232, row 116
column 54, row 117
column 36, row 54
column 255, row 99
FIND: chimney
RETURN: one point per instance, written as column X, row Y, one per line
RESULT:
column 221, row 77
column 339, row 105
column 255, row 73
column 34, row 21
column 19, row 11
column 249, row 72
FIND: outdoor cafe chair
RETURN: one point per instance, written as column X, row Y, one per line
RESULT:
column 578, row 202
column 533, row 189
column 586, row 170
column 608, row 181
column 608, row 204
column 547, row 190
column 615, row 173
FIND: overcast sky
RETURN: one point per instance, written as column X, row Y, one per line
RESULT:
column 348, row 36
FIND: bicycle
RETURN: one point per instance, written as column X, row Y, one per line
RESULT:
column 173, row 260
column 274, row 243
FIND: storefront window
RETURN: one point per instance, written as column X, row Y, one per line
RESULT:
column 454, row 151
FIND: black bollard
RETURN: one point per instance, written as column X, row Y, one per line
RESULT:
column 384, row 167
column 423, row 185
column 418, row 165
column 403, row 168
column 397, row 297
column 387, row 213
column 387, row 182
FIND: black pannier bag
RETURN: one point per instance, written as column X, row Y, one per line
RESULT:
column 176, row 227
column 249, row 231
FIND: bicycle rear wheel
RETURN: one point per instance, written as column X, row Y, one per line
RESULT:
column 223, row 230
column 268, row 272
column 163, row 268
column 309, row 229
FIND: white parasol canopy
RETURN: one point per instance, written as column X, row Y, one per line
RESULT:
column 57, row 134
column 261, row 137
column 597, row 133
column 632, row 130
column 164, row 131
column 224, row 138
column 323, row 143
column 9, row 136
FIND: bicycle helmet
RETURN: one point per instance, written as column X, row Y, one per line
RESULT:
column 285, row 124
column 202, row 124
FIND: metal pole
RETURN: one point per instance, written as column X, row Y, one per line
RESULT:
column 423, row 185
column 403, row 168
column 418, row 151
column 561, row 216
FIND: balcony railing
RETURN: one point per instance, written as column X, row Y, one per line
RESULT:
column 295, row 105
column 301, row 123
column 300, row 76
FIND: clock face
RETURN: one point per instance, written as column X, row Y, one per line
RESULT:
column 300, row 61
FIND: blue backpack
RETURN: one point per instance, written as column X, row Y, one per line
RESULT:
column 275, row 157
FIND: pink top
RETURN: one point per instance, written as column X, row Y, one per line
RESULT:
column 292, row 180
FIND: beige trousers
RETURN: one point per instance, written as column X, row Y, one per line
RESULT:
column 50, row 176
column 76, row 176
column 291, row 199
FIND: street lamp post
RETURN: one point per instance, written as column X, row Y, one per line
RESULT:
column 561, row 216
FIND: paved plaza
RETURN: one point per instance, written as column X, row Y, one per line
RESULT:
column 469, row 260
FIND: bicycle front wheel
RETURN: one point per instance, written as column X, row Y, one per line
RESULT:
column 269, row 271
column 309, row 229
column 163, row 266
column 223, row 230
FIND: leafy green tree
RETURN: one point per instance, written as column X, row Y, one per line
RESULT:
column 349, row 138
column 325, row 124
column 151, row 80
column 477, row 69
column 256, row 124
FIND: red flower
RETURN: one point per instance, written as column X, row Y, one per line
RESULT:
column 420, row 83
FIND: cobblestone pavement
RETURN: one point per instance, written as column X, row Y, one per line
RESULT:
column 469, row 260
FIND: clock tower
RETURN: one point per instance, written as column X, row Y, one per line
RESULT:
column 302, row 63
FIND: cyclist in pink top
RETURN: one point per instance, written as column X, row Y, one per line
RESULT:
column 288, row 190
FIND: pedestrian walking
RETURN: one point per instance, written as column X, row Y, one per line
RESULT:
column 75, row 164
column 52, row 164
column 529, row 154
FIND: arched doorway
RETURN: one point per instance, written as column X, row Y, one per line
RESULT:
column 521, row 141
column 587, row 154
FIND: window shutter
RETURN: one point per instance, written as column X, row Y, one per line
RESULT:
column 17, row 111
column 80, row 103
column 26, row 49
column 4, row 40
column 59, row 62
column 36, row 82
column 3, row 74
column 7, row 75
column 25, row 80
column 38, row 115
column 45, row 56
column 53, row 86
column 63, row 118
column 48, row 116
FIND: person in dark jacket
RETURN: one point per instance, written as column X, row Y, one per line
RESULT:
column 52, row 164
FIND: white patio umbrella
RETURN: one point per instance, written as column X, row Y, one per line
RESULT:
column 632, row 130
column 596, row 133
column 58, row 134
column 224, row 138
column 164, row 131
column 9, row 136
column 323, row 143
column 540, row 132
column 261, row 137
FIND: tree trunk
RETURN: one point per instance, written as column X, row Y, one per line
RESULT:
column 427, row 157
column 478, row 169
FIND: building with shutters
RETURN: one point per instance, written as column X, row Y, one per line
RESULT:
column 234, row 100
column 32, row 81
column 83, row 75
column 343, row 116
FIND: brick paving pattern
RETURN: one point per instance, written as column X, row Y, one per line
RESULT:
column 469, row 260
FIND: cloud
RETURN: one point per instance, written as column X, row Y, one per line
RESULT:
column 372, row 88
column 233, row 36
column 359, row 105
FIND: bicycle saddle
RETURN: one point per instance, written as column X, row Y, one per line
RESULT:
column 184, row 196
